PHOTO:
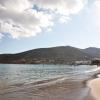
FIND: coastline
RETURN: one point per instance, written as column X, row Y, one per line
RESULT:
column 75, row 87
column 63, row 90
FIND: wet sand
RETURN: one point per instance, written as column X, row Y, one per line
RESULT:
column 65, row 90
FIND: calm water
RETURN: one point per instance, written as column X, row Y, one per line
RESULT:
column 18, row 73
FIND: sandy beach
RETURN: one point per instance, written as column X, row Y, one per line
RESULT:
column 95, row 88
column 66, row 90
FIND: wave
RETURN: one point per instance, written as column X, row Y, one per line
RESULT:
column 53, row 81
column 63, row 78
column 95, row 70
column 37, row 84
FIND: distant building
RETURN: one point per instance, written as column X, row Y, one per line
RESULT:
column 82, row 62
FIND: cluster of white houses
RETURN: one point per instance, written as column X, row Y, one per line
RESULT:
column 94, row 61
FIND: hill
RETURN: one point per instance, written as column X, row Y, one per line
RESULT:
column 95, row 52
column 54, row 55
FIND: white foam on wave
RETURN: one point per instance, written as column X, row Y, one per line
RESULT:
column 59, row 80
column 98, row 75
column 93, row 70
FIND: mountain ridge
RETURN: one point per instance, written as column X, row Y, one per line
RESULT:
column 52, row 55
column 93, row 51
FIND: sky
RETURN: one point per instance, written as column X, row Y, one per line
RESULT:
column 30, row 24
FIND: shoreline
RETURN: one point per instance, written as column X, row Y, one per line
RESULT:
column 64, row 90
column 94, row 85
column 55, row 88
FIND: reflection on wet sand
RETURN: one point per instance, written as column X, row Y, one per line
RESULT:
column 65, row 90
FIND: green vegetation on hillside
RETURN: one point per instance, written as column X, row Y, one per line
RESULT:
column 54, row 55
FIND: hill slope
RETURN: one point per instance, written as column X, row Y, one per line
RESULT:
column 58, row 55
column 92, row 51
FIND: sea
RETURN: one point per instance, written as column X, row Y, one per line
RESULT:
column 15, row 74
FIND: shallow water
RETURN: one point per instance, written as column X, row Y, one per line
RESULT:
column 23, row 73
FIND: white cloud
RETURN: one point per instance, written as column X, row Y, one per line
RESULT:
column 97, row 3
column 24, row 24
column 95, row 15
column 92, row 19
column 19, row 19
column 64, row 19
column 63, row 7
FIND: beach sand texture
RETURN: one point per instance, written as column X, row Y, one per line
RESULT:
column 95, row 88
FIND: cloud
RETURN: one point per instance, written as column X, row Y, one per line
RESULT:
column 91, row 18
column 97, row 3
column 64, row 19
column 95, row 15
column 26, row 18
column 24, row 24
column 63, row 7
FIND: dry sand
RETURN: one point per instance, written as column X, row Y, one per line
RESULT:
column 95, row 88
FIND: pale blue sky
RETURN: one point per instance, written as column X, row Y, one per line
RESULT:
column 81, row 31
